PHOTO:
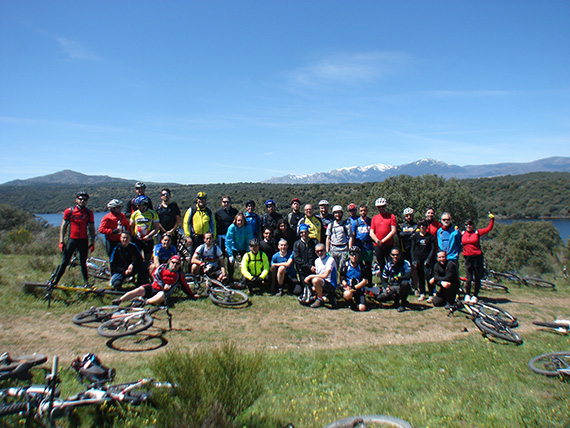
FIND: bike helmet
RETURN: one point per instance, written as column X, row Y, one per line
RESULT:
column 303, row 228
column 176, row 258
column 82, row 194
column 354, row 250
column 296, row 200
column 254, row 242
column 380, row 202
column 142, row 199
column 408, row 211
column 270, row 202
column 250, row 202
column 323, row 202
column 337, row 208
column 140, row 185
column 201, row 195
column 351, row 207
column 114, row 203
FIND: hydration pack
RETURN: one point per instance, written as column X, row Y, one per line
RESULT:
column 90, row 367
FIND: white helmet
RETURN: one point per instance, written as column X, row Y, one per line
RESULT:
column 114, row 203
column 337, row 208
column 323, row 202
column 408, row 211
column 380, row 202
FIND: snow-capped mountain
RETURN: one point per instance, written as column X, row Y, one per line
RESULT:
column 379, row 172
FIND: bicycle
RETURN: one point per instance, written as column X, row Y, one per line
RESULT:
column 487, row 285
column 551, row 364
column 559, row 326
column 219, row 294
column 489, row 319
column 366, row 421
column 132, row 320
column 526, row 280
column 96, row 267
column 19, row 367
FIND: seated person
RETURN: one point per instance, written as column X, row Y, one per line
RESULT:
column 446, row 277
column 352, row 280
column 166, row 278
column 162, row 252
column 126, row 261
column 396, row 280
column 283, row 270
column 208, row 259
column 324, row 280
column 255, row 267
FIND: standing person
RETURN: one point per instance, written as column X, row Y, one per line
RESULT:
column 352, row 214
column 423, row 247
column 470, row 240
column 295, row 215
column 253, row 220
column 325, row 217
column 271, row 217
column 433, row 224
column 224, row 218
column 313, row 222
column 405, row 232
column 79, row 221
column 112, row 224
column 324, row 280
column 304, row 253
column 237, row 241
column 126, row 261
column 145, row 226
column 140, row 190
column 283, row 231
column 169, row 214
column 382, row 231
column 396, row 280
column 283, row 270
column 353, row 281
column 198, row 220
column 338, row 234
column 361, row 238
column 449, row 239
column 446, row 277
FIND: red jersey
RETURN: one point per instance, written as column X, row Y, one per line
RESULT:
column 163, row 275
column 78, row 219
column 433, row 226
column 382, row 225
column 471, row 240
column 110, row 222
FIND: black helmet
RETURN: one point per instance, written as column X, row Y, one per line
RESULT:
column 82, row 194
column 354, row 250
column 254, row 242
column 250, row 202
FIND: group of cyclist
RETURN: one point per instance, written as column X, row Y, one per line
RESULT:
column 314, row 256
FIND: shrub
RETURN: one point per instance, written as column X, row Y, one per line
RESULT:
column 213, row 386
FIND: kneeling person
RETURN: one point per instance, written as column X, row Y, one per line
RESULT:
column 282, row 269
column 255, row 267
column 352, row 281
column 126, row 261
column 324, row 279
column 208, row 259
column 396, row 280
column 446, row 277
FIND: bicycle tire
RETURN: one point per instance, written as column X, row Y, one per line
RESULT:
column 548, row 364
column 92, row 315
column 493, row 286
column 197, row 284
column 119, row 327
column 548, row 324
column 14, row 408
column 496, row 329
column 498, row 314
column 227, row 296
column 539, row 282
column 370, row 421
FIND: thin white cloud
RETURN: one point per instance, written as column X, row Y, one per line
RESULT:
column 472, row 93
column 349, row 69
column 75, row 50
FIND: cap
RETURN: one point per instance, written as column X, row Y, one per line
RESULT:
column 337, row 208
column 303, row 228
column 380, row 202
column 176, row 258
column 201, row 195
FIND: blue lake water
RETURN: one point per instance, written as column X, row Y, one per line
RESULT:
column 562, row 224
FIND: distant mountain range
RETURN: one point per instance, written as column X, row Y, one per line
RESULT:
column 355, row 174
column 379, row 172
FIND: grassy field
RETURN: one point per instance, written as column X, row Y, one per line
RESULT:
column 322, row 365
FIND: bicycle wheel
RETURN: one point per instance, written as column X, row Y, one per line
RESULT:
column 539, row 282
column 100, row 314
column 369, row 421
column 224, row 296
column 548, row 364
column 14, row 408
column 493, row 286
column 496, row 329
column 125, row 326
column 498, row 314
column 552, row 325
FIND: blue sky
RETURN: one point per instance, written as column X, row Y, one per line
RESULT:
column 229, row 91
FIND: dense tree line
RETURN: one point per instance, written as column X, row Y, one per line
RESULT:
column 519, row 196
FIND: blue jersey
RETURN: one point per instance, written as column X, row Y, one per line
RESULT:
column 163, row 253
column 361, row 230
column 278, row 258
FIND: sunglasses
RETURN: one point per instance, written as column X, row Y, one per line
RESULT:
column 445, row 219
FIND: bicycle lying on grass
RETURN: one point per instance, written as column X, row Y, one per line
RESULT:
column 41, row 403
column 520, row 280
column 559, row 326
column 489, row 319
column 366, row 421
column 551, row 364
column 19, row 367
column 219, row 294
